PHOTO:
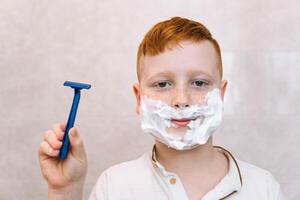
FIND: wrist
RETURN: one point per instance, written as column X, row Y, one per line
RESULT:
column 73, row 191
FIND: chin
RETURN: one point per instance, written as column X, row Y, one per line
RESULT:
column 180, row 131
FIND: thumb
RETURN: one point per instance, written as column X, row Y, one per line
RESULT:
column 77, row 147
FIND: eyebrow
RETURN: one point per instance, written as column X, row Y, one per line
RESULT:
column 170, row 74
column 167, row 74
column 195, row 72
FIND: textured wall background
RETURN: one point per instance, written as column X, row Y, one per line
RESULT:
column 43, row 43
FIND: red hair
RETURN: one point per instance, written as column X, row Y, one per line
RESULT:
column 170, row 32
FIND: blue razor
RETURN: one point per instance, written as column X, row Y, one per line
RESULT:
column 66, row 142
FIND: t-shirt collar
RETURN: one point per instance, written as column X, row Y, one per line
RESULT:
column 232, row 182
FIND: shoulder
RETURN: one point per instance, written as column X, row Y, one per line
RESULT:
column 122, row 177
column 259, row 180
column 128, row 168
column 254, row 173
column 128, row 172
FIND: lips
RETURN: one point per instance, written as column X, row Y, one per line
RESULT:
column 181, row 122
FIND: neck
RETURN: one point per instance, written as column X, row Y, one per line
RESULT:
column 201, row 157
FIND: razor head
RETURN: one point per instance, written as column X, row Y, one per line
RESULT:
column 76, row 85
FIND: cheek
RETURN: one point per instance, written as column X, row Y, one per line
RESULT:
column 162, row 96
column 198, row 97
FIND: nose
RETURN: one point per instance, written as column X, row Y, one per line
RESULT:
column 180, row 98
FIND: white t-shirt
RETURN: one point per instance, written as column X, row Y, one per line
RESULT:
column 146, row 179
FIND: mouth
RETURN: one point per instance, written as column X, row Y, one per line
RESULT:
column 181, row 122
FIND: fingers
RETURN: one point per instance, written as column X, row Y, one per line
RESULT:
column 52, row 143
column 46, row 149
column 59, row 130
column 52, row 140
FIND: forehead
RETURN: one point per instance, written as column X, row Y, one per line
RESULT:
column 181, row 58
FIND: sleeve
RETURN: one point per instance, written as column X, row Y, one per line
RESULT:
column 99, row 191
column 275, row 191
column 280, row 195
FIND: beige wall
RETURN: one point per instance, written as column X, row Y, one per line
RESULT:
column 45, row 42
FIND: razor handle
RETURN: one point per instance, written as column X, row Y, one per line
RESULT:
column 66, row 141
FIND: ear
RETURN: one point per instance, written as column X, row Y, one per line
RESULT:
column 223, row 88
column 136, row 91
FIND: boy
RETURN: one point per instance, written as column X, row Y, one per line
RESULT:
column 180, row 99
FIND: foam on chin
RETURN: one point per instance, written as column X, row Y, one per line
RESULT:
column 156, row 119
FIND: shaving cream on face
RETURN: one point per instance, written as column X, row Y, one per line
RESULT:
column 156, row 120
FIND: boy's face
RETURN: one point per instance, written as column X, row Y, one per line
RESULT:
column 181, row 76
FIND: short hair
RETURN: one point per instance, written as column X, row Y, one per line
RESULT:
column 172, row 32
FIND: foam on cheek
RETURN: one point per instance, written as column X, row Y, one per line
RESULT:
column 157, row 115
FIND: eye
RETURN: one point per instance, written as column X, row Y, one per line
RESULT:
column 162, row 84
column 198, row 83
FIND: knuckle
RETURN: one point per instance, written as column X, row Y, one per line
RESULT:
column 62, row 126
column 57, row 144
column 43, row 147
column 53, row 142
column 54, row 127
column 46, row 149
column 40, row 148
column 47, row 134
column 58, row 131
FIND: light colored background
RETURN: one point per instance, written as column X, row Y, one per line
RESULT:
column 45, row 42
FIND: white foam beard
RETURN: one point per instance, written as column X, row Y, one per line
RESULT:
column 156, row 119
